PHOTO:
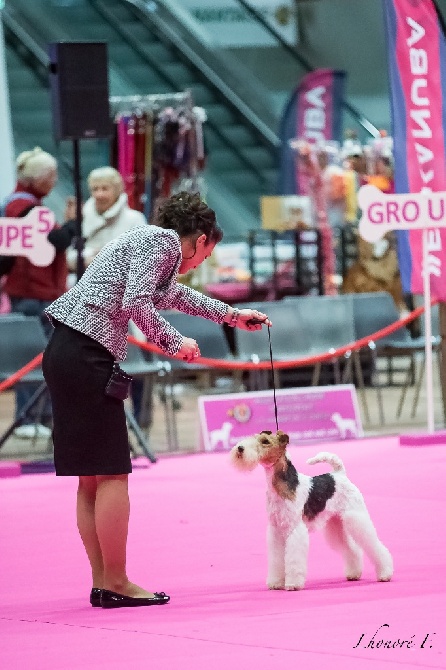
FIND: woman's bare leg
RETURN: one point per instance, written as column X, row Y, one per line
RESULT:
column 112, row 512
column 86, row 500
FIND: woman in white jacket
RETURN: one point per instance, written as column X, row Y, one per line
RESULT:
column 105, row 215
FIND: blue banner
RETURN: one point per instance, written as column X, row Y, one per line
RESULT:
column 313, row 114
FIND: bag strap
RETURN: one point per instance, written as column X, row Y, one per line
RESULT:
column 18, row 195
column 97, row 230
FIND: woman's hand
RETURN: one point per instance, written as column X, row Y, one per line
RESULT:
column 189, row 350
column 252, row 319
column 70, row 208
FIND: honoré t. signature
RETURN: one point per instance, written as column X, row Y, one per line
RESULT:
column 383, row 639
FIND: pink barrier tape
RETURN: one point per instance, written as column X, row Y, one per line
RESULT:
column 235, row 365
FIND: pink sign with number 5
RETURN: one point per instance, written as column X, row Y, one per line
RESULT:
column 27, row 236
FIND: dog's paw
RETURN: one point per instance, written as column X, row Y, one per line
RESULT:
column 295, row 587
column 385, row 576
column 275, row 586
column 353, row 576
column 384, row 572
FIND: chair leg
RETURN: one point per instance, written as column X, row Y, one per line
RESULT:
column 40, row 391
column 418, row 389
column 174, row 421
column 347, row 372
column 139, row 435
column 258, row 380
column 146, row 418
column 40, row 404
column 336, row 371
column 360, row 379
column 250, row 383
column 377, row 386
column 204, row 379
column 379, row 395
column 440, row 378
column 169, row 410
column 404, row 393
column 237, row 380
column 316, row 374
column 276, row 378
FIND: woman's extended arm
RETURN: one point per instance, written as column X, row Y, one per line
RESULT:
column 190, row 301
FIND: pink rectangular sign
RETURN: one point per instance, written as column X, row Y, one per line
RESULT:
column 314, row 414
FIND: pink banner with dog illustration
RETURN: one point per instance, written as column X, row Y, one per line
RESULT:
column 417, row 61
column 307, row 415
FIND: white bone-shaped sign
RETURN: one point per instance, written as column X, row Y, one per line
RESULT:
column 382, row 212
column 27, row 236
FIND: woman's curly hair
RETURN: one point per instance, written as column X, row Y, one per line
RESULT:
column 189, row 216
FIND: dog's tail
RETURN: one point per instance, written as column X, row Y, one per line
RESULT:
column 326, row 457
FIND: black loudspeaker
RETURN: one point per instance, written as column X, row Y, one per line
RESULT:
column 79, row 90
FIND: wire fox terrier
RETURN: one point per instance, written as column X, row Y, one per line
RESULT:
column 297, row 504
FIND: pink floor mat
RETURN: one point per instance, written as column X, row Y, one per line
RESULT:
column 198, row 532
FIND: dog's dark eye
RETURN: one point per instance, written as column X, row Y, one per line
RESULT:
column 264, row 441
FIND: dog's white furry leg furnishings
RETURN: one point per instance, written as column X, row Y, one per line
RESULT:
column 339, row 540
column 296, row 558
column 275, row 541
column 362, row 530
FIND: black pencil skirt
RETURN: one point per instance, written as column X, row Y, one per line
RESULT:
column 89, row 428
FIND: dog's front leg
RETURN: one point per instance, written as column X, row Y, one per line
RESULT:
column 276, row 558
column 296, row 558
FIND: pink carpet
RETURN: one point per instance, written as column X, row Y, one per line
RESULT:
column 198, row 532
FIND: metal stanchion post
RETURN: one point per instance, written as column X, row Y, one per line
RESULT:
column 442, row 308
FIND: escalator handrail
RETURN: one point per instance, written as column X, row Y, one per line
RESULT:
column 242, row 108
column 24, row 38
column 100, row 6
column 40, row 56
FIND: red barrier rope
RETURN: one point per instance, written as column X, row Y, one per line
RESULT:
column 236, row 365
column 21, row 373
column 298, row 362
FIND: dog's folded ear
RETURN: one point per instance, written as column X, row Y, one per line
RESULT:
column 267, row 432
column 282, row 437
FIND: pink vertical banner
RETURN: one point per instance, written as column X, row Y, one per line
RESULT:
column 417, row 62
column 313, row 114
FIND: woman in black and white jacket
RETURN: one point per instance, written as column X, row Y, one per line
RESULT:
column 133, row 277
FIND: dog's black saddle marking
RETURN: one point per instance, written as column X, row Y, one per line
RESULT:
column 289, row 476
column 322, row 489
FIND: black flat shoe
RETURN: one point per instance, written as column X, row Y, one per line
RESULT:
column 95, row 597
column 110, row 599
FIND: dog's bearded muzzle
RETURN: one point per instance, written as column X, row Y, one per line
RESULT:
column 244, row 456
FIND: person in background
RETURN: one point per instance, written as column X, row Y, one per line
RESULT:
column 355, row 175
column 382, row 174
column 333, row 181
column 105, row 215
column 31, row 288
column 133, row 277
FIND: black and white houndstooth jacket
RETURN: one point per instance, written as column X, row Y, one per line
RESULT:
column 133, row 277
